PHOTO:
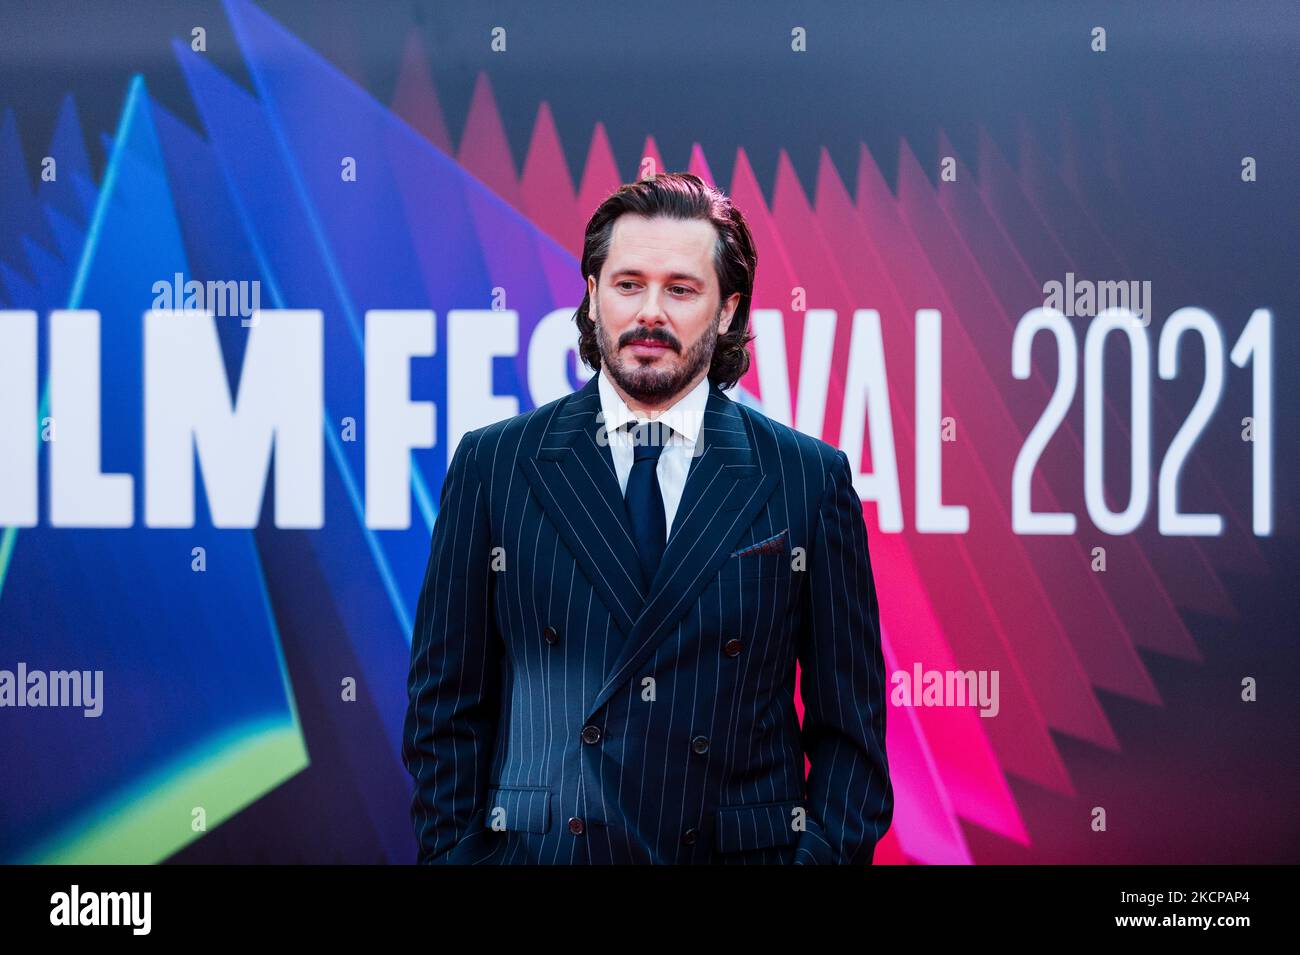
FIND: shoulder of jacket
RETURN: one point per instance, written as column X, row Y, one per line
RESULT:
column 508, row 433
column 788, row 441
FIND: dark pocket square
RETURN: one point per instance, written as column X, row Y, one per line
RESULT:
column 769, row 545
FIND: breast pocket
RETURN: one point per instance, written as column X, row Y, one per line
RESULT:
column 762, row 559
column 750, row 596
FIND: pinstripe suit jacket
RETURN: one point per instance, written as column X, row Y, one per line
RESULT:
column 560, row 712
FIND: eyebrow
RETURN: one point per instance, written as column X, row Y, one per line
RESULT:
column 672, row 275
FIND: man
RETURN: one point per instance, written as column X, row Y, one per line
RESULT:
column 620, row 584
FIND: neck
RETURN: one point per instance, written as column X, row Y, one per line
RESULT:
column 653, row 410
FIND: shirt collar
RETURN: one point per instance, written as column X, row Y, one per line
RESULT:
column 686, row 417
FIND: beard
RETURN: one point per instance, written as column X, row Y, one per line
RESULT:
column 647, row 383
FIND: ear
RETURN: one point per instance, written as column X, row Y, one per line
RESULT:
column 591, row 286
column 728, row 310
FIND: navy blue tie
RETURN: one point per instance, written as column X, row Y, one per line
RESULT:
column 643, row 499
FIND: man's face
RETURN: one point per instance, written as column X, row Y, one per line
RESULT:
column 656, row 307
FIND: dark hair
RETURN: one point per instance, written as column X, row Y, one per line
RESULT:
column 680, row 195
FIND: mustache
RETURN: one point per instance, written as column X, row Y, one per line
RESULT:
column 654, row 335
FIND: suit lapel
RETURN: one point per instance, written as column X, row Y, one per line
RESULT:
column 725, row 489
column 573, row 476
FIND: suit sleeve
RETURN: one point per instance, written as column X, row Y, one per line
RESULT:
column 454, row 686
column 850, row 799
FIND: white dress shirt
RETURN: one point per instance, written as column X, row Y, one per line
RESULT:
column 685, row 418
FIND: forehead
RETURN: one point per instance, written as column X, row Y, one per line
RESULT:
column 662, row 245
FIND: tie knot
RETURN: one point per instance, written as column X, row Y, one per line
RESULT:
column 648, row 439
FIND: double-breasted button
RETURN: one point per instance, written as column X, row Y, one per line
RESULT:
column 575, row 826
column 551, row 636
column 732, row 648
column 700, row 744
column 591, row 733
column 689, row 837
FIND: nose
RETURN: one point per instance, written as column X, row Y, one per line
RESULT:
column 651, row 314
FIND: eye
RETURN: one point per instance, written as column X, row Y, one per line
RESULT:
column 625, row 282
column 684, row 288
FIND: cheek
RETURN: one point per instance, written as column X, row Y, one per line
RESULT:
column 613, row 312
column 692, row 331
